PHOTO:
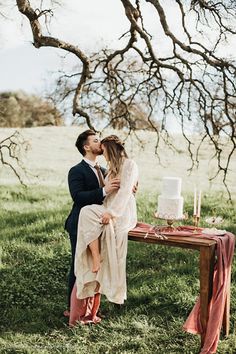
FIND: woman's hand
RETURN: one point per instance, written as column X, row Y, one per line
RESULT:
column 106, row 217
column 112, row 185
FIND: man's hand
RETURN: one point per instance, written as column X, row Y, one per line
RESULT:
column 112, row 185
column 106, row 217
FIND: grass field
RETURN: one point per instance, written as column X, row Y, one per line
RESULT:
column 162, row 283
column 52, row 153
column 34, row 256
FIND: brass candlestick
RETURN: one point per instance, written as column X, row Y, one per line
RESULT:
column 196, row 220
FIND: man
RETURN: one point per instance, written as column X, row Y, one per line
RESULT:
column 87, row 186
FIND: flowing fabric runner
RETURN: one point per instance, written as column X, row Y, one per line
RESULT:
column 222, row 271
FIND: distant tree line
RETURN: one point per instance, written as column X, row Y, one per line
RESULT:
column 18, row 109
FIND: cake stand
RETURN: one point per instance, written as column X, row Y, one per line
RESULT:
column 170, row 222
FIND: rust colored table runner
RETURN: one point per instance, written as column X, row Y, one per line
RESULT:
column 212, row 309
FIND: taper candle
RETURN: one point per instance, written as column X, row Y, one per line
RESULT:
column 195, row 202
column 199, row 204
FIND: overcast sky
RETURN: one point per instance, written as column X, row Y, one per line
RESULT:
column 85, row 23
column 90, row 24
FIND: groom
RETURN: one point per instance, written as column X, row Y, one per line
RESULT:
column 87, row 186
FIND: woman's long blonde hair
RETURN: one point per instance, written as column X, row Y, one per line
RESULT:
column 116, row 154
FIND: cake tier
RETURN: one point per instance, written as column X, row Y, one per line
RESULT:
column 171, row 187
column 170, row 208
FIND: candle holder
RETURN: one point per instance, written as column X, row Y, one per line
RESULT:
column 196, row 220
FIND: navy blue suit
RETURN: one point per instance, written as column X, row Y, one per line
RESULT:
column 84, row 189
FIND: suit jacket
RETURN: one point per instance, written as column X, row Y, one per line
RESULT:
column 84, row 189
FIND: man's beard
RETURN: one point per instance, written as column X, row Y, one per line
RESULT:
column 97, row 151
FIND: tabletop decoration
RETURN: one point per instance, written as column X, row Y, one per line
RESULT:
column 169, row 223
column 197, row 207
column 213, row 221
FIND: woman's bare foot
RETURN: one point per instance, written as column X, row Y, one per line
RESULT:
column 96, row 264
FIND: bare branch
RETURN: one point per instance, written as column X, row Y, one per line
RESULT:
column 11, row 150
column 45, row 41
column 189, row 83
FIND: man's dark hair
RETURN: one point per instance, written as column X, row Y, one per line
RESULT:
column 82, row 140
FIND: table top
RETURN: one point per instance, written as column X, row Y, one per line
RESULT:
column 193, row 242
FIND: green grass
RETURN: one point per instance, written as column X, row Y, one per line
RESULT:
column 34, row 260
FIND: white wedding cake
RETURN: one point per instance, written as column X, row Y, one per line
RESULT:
column 170, row 203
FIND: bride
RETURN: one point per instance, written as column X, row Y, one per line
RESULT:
column 100, row 259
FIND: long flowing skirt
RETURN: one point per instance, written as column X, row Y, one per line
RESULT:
column 110, row 280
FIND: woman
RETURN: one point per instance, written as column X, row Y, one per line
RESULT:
column 100, row 260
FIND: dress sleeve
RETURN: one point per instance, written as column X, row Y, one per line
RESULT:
column 128, row 178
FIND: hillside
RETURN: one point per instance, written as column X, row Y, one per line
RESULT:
column 52, row 153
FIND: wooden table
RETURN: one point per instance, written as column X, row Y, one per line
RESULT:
column 207, row 250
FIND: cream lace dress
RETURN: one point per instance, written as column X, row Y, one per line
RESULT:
column 110, row 280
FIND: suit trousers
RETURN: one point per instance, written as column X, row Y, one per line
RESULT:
column 71, row 278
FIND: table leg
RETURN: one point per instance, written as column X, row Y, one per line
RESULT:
column 207, row 259
column 226, row 315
